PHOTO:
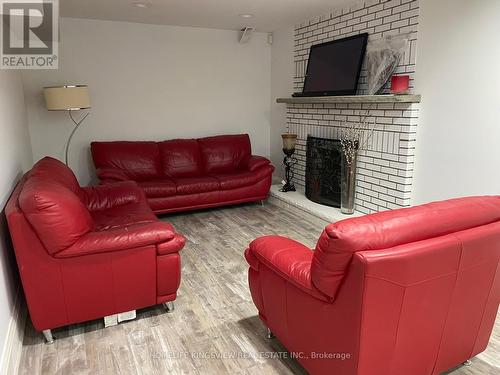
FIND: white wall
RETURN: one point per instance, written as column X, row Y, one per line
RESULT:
column 282, row 73
column 152, row 82
column 15, row 158
column 458, row 147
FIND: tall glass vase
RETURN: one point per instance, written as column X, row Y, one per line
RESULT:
column 348, row 184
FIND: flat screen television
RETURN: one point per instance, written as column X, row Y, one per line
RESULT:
column 334, row 67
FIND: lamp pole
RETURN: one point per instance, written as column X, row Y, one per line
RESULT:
column 77, row 124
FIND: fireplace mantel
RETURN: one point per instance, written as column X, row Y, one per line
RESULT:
column 352, row 99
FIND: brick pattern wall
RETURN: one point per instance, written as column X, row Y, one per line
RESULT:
column 385, row 167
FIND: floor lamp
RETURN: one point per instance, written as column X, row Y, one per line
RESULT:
column 70, row 99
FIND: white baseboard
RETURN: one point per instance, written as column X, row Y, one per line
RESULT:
column 13, row 344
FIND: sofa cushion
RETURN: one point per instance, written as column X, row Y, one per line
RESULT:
column 180, row 158
column 138, row 160
column 388, row 229
column 240, row 179
column 163, row 187
column 57, row 215
column 120, row 216
column 225, row 153
column 52, row 169
column 195, row 185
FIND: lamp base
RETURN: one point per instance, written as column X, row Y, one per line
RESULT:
column 289, row 161
column 287, row 187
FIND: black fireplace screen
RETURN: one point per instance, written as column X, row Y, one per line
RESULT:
column 323, row 163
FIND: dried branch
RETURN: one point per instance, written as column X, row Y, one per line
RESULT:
column 355, row 136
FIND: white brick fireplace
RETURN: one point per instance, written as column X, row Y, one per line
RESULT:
column 385, row 168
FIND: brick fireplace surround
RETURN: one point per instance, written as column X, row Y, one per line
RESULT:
column 385, row 168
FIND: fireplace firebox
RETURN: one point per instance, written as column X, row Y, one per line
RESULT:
column 323, row 170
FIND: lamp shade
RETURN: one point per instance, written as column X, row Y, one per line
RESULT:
column 289, row 141
column 67, row 98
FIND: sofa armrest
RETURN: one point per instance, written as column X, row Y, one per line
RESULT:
column 116, row 239
column 111, row 174
column 173, row 245
column 288, row 258
column 255, row 162
column 106, row 196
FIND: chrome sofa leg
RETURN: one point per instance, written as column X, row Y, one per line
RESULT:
column 47, row 333
column 468, row 363
column 262, row 203
column 169, row 306
column 270, row 335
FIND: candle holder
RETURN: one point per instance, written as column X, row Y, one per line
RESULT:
column 289, row 161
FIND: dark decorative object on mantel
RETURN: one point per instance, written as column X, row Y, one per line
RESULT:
column 323, row 170
column 289, row 161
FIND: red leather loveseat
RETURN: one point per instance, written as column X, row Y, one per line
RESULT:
column 412, row 291
column 187, row 174
column 86, row 253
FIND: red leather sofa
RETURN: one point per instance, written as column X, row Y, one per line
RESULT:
column 412, row 291
column 187, row 174
column 86, row 253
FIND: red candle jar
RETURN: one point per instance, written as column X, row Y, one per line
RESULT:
column 400, row 84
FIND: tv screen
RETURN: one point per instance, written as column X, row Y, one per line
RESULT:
column 334, row 67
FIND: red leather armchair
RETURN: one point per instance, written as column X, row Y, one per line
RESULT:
column 86, row 253
column 412, row 291
column 187, row 174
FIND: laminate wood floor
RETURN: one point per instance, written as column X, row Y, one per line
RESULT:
column 215, row 328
